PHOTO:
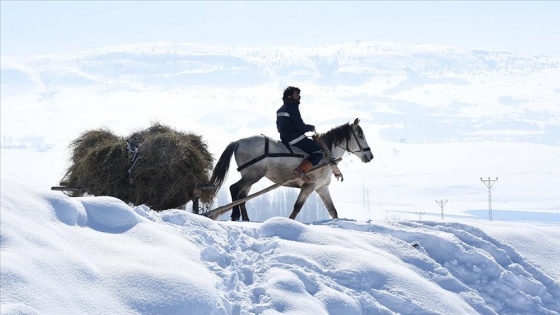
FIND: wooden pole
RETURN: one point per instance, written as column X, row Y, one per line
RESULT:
column 215, row 213
column 65, row 188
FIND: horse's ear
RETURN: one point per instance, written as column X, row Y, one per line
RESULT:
column 356, row 122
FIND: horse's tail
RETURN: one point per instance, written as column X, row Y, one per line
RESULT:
column 221, row 169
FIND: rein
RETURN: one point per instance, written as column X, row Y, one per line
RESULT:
column 336, row 171
column 362, row 149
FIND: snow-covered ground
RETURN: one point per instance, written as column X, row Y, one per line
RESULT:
column 437, row 120
column 92, row 255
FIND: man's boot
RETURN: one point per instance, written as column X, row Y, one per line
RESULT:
column 302, row 170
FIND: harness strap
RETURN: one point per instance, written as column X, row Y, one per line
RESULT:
column 266, row 154
column 288, row 146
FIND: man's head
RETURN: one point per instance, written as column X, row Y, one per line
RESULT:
column 291, row 95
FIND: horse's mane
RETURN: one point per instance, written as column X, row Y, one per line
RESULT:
column 338, row 135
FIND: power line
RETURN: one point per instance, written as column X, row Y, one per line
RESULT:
column 489, row 183
column 441, row 204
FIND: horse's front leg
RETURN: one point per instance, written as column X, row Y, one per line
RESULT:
column 304, row 193
column 326, row 197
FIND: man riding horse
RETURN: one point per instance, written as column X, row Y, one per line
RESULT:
column 292, row 131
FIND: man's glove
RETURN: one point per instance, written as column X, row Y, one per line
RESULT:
column 311, row 128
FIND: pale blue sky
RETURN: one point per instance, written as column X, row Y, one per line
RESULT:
column 45, row 27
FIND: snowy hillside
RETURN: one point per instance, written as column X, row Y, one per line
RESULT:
column 95, row 255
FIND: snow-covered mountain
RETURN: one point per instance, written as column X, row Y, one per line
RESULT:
column 412, row 93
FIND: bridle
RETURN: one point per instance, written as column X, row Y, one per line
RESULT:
column 362, row 149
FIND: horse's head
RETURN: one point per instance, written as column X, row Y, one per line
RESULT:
column 349, row 138
column 357, row 143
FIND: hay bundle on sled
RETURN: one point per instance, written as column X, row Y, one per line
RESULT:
column 159, row 167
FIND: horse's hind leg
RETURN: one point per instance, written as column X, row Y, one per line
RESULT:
column 243, row 194
column 240, row 190
column 234, row 191
column 327, row 200
column 304, row 193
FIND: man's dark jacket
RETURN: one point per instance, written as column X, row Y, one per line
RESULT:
column 290, row 125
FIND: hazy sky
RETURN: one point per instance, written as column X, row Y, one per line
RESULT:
column 45, row 27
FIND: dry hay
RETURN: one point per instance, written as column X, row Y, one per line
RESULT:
column 170, row 165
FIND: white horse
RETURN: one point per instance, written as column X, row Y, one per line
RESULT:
column 259, row 157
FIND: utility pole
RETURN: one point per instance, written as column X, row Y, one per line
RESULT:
column 365, row 197
column 441, row 204
column 363, row 194
column 368, row 207
column 420, row 213
column 489, row 183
